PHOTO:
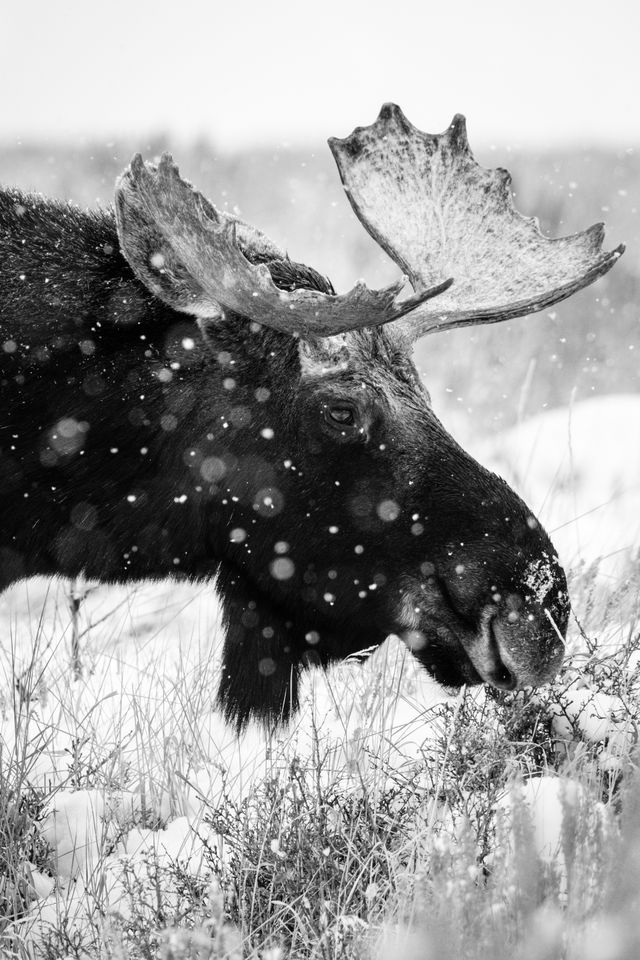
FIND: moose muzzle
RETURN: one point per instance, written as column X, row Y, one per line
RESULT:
column 517, row 646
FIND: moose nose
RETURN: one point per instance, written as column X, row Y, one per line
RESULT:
column 496, row 671
column 516, row 649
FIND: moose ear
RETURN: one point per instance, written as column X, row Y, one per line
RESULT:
column 152, row 256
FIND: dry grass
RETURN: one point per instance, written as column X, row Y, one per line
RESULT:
column 368, row 830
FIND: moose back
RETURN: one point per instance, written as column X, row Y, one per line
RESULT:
column 178, row 397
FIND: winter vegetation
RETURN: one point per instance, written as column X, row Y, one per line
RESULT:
column 390, row 819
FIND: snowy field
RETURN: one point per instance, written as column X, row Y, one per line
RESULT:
column 130, row 801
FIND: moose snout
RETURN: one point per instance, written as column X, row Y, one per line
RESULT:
column 517, row 646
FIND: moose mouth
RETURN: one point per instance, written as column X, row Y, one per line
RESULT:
column 457, row 652
column 453, row 667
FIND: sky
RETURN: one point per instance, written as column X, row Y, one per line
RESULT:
column 277, row 71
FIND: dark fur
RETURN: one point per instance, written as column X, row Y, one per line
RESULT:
column 111, row 464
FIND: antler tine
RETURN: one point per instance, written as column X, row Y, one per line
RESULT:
column 211, row 253
column 438, row 214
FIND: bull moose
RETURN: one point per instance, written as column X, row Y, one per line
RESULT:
column 179, row 397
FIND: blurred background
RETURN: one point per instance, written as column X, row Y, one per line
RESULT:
column 245, row 96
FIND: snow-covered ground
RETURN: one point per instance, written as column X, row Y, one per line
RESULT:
column 140, row 722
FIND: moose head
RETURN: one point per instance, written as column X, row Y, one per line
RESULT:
column 277, row 435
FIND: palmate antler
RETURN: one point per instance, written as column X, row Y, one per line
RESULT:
column 439, row 214
column 199, row 260
column 447, row 222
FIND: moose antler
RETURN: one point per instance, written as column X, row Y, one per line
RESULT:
column 439, row 214
column 198, row 260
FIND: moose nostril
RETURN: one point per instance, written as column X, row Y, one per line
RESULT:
column 499, row 675
column 502, row 678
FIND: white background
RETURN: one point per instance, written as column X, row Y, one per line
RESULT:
column 241, row 73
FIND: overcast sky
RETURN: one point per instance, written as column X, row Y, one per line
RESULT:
column 246, row 72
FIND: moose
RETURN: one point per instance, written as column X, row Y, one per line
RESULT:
column 180, row 398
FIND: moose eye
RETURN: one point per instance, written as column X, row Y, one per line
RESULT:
column 341, row 415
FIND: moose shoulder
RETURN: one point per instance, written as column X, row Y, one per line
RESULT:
column 179, row 397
